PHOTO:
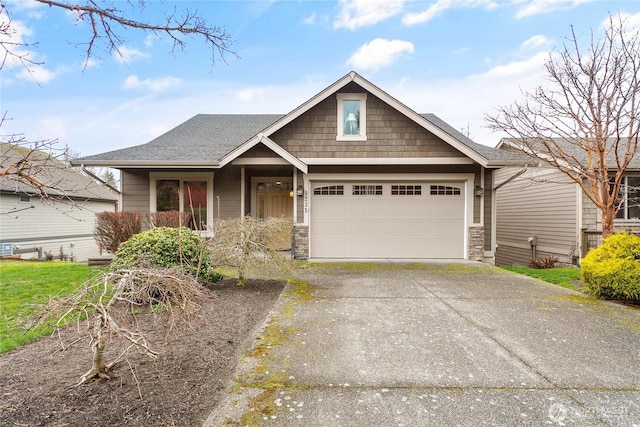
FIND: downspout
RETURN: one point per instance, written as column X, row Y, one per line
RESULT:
column 508, row 180
column 100, row 180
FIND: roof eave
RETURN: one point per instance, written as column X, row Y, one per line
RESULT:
column 130, row 164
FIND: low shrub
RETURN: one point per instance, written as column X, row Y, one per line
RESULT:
column 173, row 219
column 166, row 247
column 545, row 262
column 113, row 228
column 612, row 270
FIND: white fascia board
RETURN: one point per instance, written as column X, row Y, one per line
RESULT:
column 131, row 164
column 420, row 120
column 328, row 161
column 261, row 138
column 300, row 165
column 303, row 108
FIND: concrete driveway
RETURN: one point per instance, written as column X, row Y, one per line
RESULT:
column 436, row 344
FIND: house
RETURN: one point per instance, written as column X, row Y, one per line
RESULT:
column 58, row 225
column 542, row 213
column 361, row 176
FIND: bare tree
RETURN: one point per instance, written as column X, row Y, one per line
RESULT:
column 250, row 244
column 586, row 122
column 112, row 300
column 107, row 22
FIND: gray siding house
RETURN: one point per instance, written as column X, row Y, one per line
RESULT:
column 360, row 175
column 542, row 203
column 62, row 225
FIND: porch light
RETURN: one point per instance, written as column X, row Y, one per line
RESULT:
column 479, row 191
column 300, row 191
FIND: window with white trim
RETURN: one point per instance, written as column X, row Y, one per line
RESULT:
column 25, row 198
column 183, row 193
column 629, row 198
column 352, row 117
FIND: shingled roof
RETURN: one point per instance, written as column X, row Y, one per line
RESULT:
column 515, row 146
column 58, row 179
column 210, row 140
column 203, row 139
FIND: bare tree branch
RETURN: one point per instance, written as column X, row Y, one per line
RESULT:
column 176, row 26
column 586, row 123
column 111, row 301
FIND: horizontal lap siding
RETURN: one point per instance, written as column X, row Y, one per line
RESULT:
column 540, row 203
column 50, row 227
column 226, row 193
column 135, row 190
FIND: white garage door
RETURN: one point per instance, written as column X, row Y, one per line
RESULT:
column 388, row 220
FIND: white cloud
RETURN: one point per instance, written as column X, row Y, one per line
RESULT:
column 152, row 85
column 537, row 7
column 517, row 68
column 354, row 14
column 631, row 22
column 150, row 39
column 311, row 19
column 378, row 53
column 251, row 94
column 37, row 73
column 440, row 6
column 535, row 42
column 126, row 55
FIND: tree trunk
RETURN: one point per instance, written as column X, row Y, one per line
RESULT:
column 608, row 215
column 99, row 368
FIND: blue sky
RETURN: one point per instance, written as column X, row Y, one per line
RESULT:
column 458, row 59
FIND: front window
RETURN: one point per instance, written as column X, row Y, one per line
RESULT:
column 352, row 117
column 629, row 198
column 188, row 194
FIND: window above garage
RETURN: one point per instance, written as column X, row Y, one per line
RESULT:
column 352, row 117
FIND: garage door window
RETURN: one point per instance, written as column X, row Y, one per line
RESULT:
column 329, row 190
column 444, row 190
column 406, row 190
column 367, row 190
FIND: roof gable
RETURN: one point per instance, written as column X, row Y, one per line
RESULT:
column 212, row 141
column 484, row 155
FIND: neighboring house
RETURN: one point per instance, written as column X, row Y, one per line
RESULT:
column 63, row 224
column 360, row 174
column 544, row 204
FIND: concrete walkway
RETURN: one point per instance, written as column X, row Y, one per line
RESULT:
column 436, row 344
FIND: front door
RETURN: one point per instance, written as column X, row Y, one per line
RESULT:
column 275, row 200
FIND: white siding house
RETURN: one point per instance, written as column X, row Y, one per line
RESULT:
column 59, row 226
column 541, row 213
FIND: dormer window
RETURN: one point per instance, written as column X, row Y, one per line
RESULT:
column 352, row 117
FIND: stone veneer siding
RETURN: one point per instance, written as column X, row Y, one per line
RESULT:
column 300, row 241
column 476, row 243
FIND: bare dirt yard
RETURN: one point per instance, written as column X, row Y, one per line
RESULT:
column 180, row 388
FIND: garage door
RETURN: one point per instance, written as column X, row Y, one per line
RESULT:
column 388, row 220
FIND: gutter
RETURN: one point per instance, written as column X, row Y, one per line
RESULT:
column 97, row 178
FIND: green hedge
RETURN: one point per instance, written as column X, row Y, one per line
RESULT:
column 612, row 271
column 166, row 247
